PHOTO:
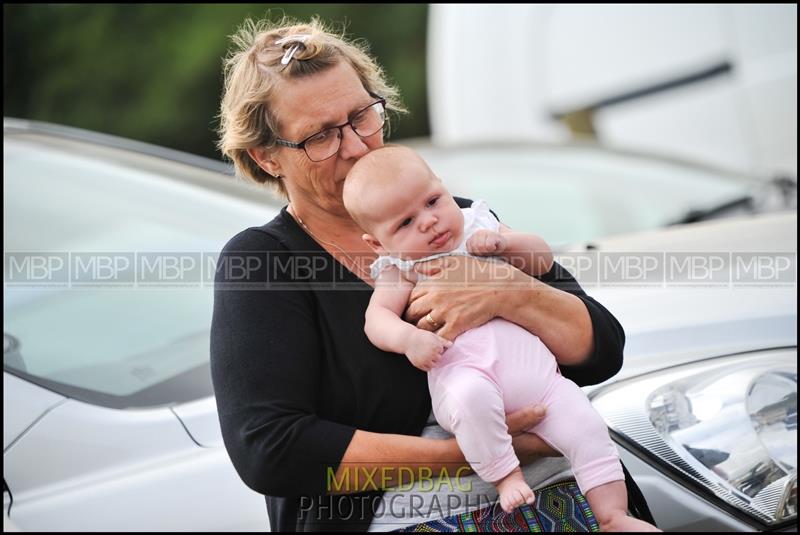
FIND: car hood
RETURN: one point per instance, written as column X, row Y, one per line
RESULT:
column 670, row 320
column 201, row 421
column 29, row 404
column 766, row 232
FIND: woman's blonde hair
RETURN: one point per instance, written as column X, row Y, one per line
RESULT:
column 253, row 69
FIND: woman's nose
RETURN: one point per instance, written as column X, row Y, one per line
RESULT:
column 352, row 145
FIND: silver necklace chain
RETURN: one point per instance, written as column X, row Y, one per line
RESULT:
column 353, row 261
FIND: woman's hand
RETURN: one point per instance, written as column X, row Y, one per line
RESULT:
column 465, row 292
column 528, row 446
column 462, row 293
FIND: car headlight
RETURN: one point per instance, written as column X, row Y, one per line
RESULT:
column 726, row 426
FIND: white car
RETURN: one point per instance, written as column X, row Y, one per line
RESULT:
column 581, row 191
column 108, row 417
column 109, row 420
column 705, row 407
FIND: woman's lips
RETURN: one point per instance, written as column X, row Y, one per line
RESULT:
column 440, row 239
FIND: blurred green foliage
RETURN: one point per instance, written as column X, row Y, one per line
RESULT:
column 154, row 72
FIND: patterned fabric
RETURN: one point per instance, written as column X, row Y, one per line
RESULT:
column 558, row 507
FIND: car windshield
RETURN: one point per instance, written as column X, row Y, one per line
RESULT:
column 99, row 333
column 575, row 193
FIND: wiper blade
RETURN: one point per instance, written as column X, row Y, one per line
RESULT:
column 11, row 354
column 777, row 193
column 695, row 215
column 9, row 343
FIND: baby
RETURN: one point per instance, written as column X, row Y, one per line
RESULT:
column 488, row 371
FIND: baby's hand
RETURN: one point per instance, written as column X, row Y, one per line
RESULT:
column 486, row 243
column 425, row 349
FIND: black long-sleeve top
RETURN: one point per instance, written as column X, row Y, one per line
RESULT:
column 295, row 375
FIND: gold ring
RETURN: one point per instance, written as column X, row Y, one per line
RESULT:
column 432, row 321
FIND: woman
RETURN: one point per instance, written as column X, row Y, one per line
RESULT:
column 304, row 400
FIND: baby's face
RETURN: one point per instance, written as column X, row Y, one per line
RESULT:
column 418, row 219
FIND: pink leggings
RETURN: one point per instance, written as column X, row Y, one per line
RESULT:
column 498, row 368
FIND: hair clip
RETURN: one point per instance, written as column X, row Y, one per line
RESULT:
column 297, row 39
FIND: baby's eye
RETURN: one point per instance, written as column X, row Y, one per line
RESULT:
column 433, row 201
column 405, row 223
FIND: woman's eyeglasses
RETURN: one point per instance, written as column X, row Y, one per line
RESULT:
column 326, row 143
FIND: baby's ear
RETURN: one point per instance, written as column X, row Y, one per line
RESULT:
column 373, row 243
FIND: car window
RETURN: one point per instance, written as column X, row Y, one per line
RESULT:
column 102, row 335
column 575, row 194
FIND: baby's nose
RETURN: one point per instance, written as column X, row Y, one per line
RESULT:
column 428, row 221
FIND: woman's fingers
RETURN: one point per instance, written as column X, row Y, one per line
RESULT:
column 420, row 304
column 455, row 306
column 529, row 447
column 431, row 267
column 524, row 419
column 424, row 323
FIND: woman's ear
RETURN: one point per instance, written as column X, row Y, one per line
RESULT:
column 265, row 160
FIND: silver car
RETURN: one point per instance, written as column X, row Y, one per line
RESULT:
column 705, row 407
column 109, row 421
column 580, row 191
column 109, row 254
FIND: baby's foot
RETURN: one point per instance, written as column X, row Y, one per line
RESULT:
column 624, row 522
column 514, row 491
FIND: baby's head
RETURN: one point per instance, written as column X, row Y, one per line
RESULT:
column 402, row 206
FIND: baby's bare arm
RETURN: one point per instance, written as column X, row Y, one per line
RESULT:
column 387, row 330
column 527, row 252
column 384, row 325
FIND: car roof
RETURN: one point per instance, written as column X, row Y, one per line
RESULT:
column 169, row 163
column 22, row 126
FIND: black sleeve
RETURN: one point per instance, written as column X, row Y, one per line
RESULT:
column 265, row 370
column 609, row 337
